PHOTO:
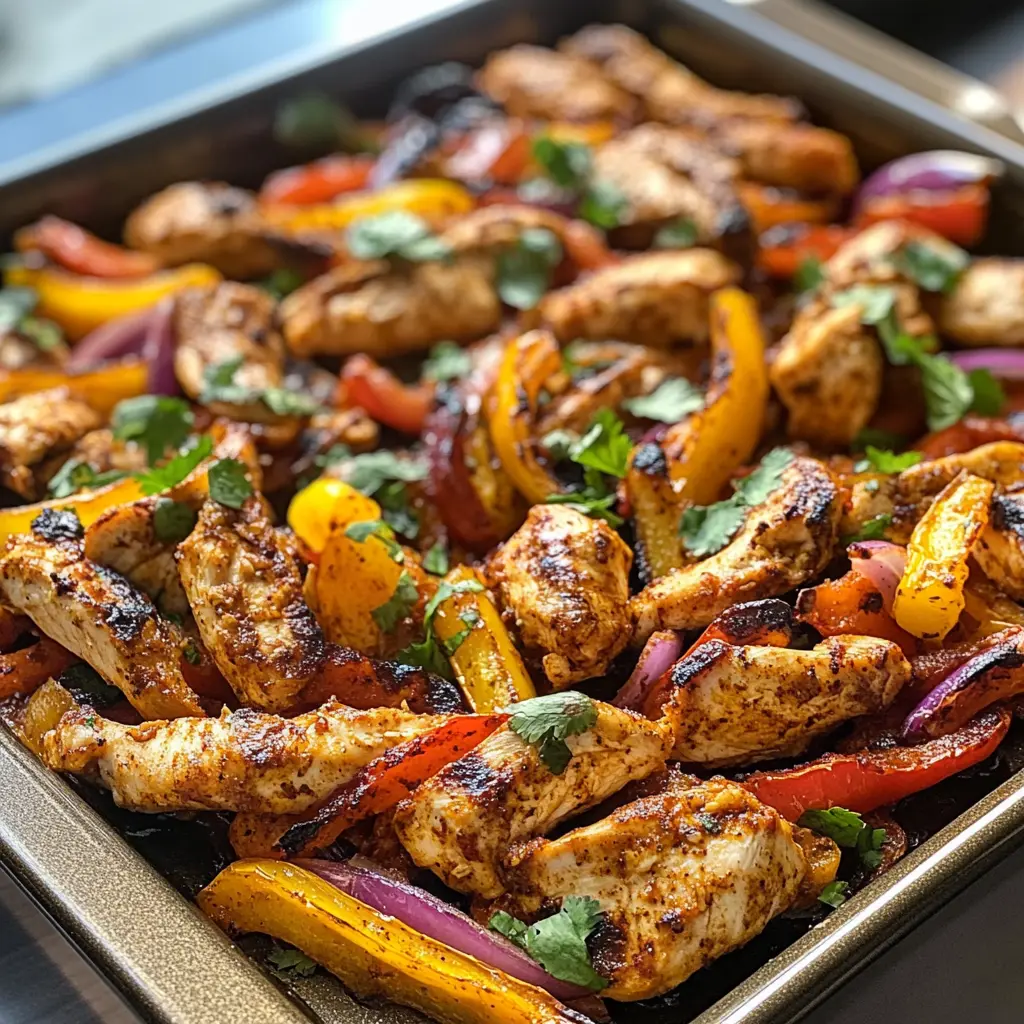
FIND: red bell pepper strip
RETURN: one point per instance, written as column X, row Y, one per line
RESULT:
column 385, row 781
column 77, row 250
column 26, row 670
column 783, row 249
column 864, row 781
column 970, row 433
column 318, row 182
column 960, row 215
column 383, row 396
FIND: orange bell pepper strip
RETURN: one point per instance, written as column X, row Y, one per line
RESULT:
column 961, row 214
column 769, row 207
column 383, row 782
column 930, row 595
column 26, row 670
column 486, row 663
column 528, row 362
column 318, row 182
column 373, row 954
column 783, row 249
column 870, row 779
column 102, row 388
column 81, row 304
column 325, row 501
column 433, row 199
column 376, row 390
column 75, row 249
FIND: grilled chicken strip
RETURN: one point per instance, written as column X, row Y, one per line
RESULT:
column 737, row 705
column 244, row 583
column 535, row 82
column 828, row 373
column 38, row 427
column 96, row 614
column 564, row 577
column 785, row 541
column 986, row 307
column 461, row 822
column 1000, row 549
column 681, row 877
column 656, row 298
column 242, row 761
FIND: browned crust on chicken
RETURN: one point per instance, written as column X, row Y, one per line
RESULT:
column 1000, row 549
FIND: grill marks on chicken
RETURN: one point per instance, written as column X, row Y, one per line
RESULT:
column 785, row 542
column 243, row 580
column 564, row 578
column 99, row 616
column 682, row 877
column 737, row 705
column 242, row 761
column 462, row 822
column 1000, row 549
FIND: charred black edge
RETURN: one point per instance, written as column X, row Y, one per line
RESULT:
column 745, row 622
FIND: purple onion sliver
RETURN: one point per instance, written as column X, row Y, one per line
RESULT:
column 431, row 916
column 935, row 171
column 114, row 340
column 158, row 349
column 660, row 653
column 1005, row 363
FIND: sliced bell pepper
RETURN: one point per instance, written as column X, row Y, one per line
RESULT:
column 764, row 623
column 528, row 362
column 498, row 151
column 433, row 199
column 874, row 778
column 769, row 207
column 318, row 182
column 77, row 250
column 385, row 781
column 327, row 500
column 486, row 663
column 373, row 954
column 783, row 249
column 42, row 713
column 961, row 214
column 969, row 433
column 81, row 304
column 376, row 390
column 931, row 667
column 102, row 388
column 930, row 595
column 26, row 670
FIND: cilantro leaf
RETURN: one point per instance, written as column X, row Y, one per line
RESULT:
column 291, row 961
column 44, row 334
column 680, row 234
column 190, row 652
column 878, row 438
column 16, row 303
column 157, row 422
column 989, row 396
column 393, row 498
column 288, row 403
column 849, row 830
column 603, row 205
column 947, row 391
column 757, row 486
column 669, row 402
column 876, row 301
column 567, row 164
column 447, row 361
column 395, row 233
column 558, row 443
column 810, row 275
column 75, row 475
column 162, row 478
column 372, row 470
column 435, row 561
column 524, row 271
column 933, row 269
column 281, row 282
column 429, row 653
column 469, row 618
column 398, row 605
column 597, row 506
column 229, row 482
column 873, row 529
column 545, row 722
column 559, row 943
column 834, row 894
column 605, row 446
column 882, row 460
column 172, row 520
column 219, row 386
column 362, row 531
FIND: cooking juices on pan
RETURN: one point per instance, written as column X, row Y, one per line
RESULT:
column 559, row 540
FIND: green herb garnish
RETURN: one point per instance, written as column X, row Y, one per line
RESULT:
column 545, row 722
column 291, row 961
column 882, row 460
column 430, row 653
column 603, row 205
column 524, row 271
column 229, row 482
column 74, row 475
column 605, row 446
column 669, row 402
column 88, row 686
column 447, row 361
column 435, row 561
column 834, row 894
column 162, row 478
column 362, row 531
column 281, row 282
column 810, row 275
column 398, row 605
column 680, row 234
column 848, row 830
column 219, row 386
column 172, row 520
column 932, row 269
column 873, row 529
column 396, row 233
column 571, row 166
column 157, row 422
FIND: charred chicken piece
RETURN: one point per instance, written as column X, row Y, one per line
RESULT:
column 535, row 82
column 242, row 761
column 986, row 306
column 36, row 432
column 243, row 580
column 1000, row 549
column 461, row 822
column 785, row 542
column 737, row 705
column 564, row 578
column 98, row 615
column 682, row 878
column 657, row 298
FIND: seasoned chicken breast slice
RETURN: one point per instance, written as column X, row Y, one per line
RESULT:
column 37, row 429
column 564, row 580
column 785, row 541
column 96, row 614
column 986, row 306
column 243, row 580
column 656, row 298
column 461, row 822
column 737, row 705
column 1000, row 549
column 242, row 761
column 681, row 877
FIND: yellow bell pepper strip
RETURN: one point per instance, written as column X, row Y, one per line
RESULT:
column 930, row 595
column 486, row 662
column 324, row 503
column 81, row 304
column 102, row 388
column 433, row 199
column 372, row 953
column 527, row 363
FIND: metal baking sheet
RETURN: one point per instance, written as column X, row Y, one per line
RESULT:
column 117, row 883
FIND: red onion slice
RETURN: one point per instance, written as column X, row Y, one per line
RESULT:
column 660, row 653
column 1006, row 363
column 934, row 171
column 882, row 563
column 115, row 339
column 158, row 349
column 433, row 917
